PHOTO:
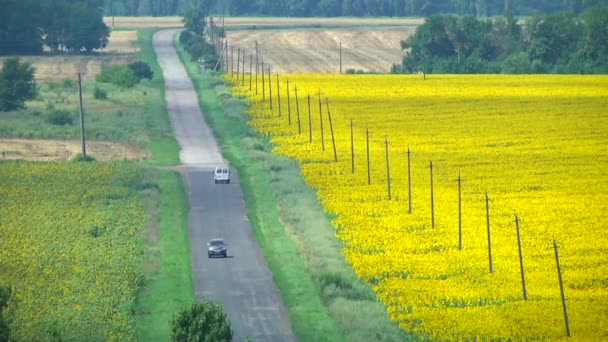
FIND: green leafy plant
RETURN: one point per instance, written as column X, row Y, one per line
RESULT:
column 203, row 321
column 100, row 94
column 141, row 70
column 60, row 118
column 119, row 75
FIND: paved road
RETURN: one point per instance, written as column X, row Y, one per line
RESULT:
column 242, row 283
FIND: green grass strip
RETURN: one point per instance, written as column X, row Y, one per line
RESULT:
column 164, row 147
column 168, row 285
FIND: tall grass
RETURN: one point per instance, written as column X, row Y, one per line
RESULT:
column 324, row 297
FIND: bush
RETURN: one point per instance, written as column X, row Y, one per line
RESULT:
column 141, row 70
column 204, row 321
column 60, row 118
column 100, row 94
column 121, row 76
column 17, row 84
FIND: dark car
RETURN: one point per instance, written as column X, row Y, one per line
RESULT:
column 217, row 247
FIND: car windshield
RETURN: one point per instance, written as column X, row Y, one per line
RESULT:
column 216, row 242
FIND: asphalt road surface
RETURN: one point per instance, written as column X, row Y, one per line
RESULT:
column 242, row 282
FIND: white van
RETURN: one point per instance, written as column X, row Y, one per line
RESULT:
column 221, row 174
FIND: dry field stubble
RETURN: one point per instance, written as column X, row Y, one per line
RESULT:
column 60, row 150
column 318, row 50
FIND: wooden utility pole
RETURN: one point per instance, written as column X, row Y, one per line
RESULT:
column 288, row 105
column 257, row 67
column 432, row 198
column 388, row 170
column 409, row 179
column 309, row 121
column 331, row 128
column 321, row 123
column 298, row 111
column 369, row 173
column 521, row 260
column 243, row 70
column 238, row 63
column 561, row 289
column 279, row 94
column 489, row 233
column 459, row 212
column 270, row 87
column 82, row 135
column 340, row 57
column 263, row 82
column 352, row 147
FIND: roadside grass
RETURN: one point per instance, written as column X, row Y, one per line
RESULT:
column 167, row 287
column 323, row 295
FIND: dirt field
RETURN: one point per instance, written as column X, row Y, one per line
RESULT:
column 57, row 150
column 318, row 50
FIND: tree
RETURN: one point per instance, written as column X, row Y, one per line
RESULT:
column 86, row 29
column 194, row 21
column 16, row 84
column 141, row 70
column 202, row 322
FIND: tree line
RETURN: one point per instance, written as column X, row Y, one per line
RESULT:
column 553, row 43
column 30, row 26
column 332, row 8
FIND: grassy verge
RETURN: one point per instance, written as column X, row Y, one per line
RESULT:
column 168, row 284
column 164, row 147
column 324, row 297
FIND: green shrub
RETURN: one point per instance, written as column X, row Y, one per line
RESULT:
column 60, row 118
column 204, row 321
column 141, row 70
column 119, row 75
column 100, row 94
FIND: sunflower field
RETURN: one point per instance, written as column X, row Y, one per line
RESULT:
column 70, row 249
column 429, row 178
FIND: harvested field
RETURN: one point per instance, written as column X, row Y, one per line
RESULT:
column 59, row 150
column 318, row 50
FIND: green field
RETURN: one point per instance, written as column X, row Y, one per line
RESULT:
column 95, row 251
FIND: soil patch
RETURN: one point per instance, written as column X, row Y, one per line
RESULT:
column 60, row 150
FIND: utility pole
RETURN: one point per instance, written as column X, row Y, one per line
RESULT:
column 82, row 136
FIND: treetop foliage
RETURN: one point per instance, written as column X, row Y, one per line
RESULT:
column 27, row 26
column 202, row 322
column 554, row 43
column 357, row 8
column 17, row 84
